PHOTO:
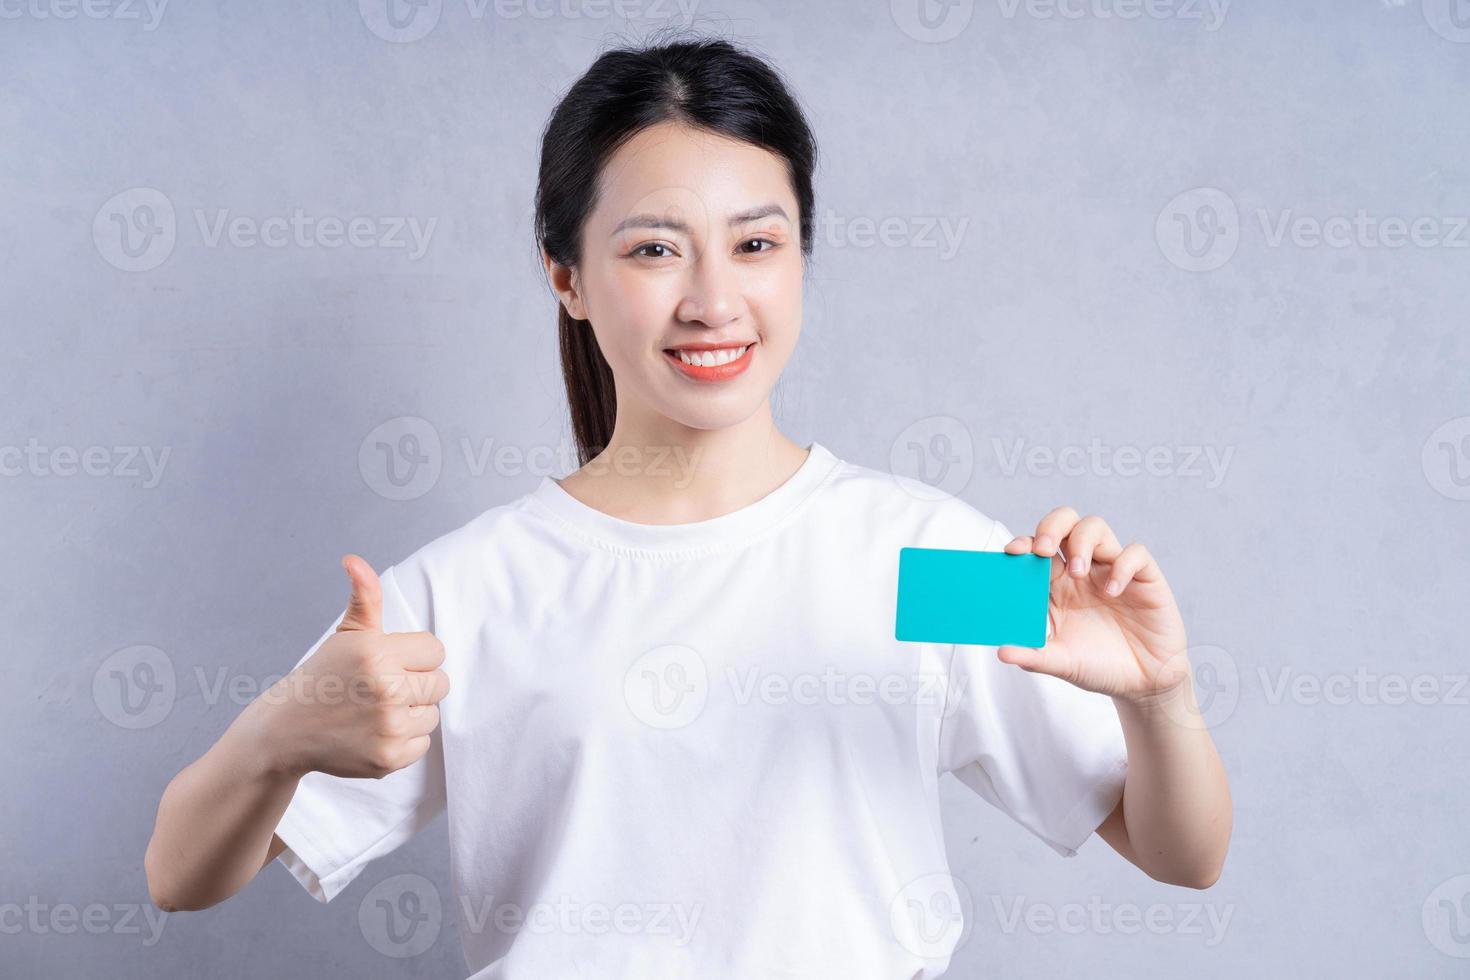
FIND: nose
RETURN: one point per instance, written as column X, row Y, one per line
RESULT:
column 714, row 295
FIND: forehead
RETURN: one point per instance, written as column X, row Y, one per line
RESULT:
column 702, row 174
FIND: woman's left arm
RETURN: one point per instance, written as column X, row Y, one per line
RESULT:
column 1116, row 630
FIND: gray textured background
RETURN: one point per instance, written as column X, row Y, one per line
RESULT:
column 1321, row 560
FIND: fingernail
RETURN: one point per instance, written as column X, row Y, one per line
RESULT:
column 1075, row 565
column 1044, row 543
column 1114, row 587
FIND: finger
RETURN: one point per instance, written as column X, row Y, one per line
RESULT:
column 1133, row 564
column 1025, row 544
column 421, row 719
column 426, row 686
column 365, row 605
column 1091, row 540
column 412, row 751
column 1019, row 546
column 1037, row 660
column 419, row 650
column 1052, row 529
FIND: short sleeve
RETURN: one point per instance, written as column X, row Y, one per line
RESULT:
column 1048, row 753
column 335, row 826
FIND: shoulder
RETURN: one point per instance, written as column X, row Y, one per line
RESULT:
column 913, row 507
column 467, row 554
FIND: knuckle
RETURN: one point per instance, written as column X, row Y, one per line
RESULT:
column 382, row 761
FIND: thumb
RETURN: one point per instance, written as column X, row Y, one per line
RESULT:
column 365, row 607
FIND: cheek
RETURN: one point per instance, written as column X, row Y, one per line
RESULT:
column 776, row 303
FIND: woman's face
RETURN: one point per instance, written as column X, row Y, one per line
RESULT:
column 694, row 243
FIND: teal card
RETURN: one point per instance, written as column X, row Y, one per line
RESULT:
column 983, row 598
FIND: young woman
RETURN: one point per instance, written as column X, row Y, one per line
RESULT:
column 661, row 698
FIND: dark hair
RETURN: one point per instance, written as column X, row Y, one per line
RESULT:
column 703, row 82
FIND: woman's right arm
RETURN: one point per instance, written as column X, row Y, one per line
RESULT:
column 216, row 821
column 363, row 705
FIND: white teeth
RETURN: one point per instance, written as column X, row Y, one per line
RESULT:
column 712, row 358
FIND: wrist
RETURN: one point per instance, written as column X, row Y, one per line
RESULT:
column 1172, row 700
column 258, row 746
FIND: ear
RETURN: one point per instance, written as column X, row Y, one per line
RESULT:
column 564, row 281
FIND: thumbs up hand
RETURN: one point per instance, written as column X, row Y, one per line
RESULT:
column 364, row 703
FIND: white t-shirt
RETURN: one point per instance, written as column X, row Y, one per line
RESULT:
column 697, row 750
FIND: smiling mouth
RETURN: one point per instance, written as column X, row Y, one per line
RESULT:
column 711, row 364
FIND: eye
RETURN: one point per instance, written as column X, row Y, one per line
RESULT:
column 640, row 250
column 770, row 245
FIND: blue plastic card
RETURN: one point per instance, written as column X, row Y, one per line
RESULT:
column 984, row 598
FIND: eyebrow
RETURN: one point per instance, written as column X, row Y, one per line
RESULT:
column 672, row 224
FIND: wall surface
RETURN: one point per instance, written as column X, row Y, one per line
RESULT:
column 1199, row 268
